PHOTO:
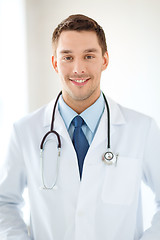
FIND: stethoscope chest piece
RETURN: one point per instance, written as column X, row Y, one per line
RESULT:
column 109, row 158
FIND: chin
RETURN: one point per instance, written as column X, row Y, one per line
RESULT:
column 81, row 96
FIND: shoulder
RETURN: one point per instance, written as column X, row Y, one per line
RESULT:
column 129, row 115
column 35, row 118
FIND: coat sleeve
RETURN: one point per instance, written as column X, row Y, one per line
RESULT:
column 151, row 176
column 12, row 184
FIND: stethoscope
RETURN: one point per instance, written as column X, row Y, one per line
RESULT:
column 108, row 157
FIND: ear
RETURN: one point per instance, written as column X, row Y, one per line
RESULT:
column 54, row 63
column 105, row 61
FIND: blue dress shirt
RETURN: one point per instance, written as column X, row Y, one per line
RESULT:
column 91, row 116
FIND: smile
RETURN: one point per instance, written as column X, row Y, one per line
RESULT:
column 80, row 80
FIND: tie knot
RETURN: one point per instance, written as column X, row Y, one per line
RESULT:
column 78, row 121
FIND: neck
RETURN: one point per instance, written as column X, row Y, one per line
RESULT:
column 79, row 105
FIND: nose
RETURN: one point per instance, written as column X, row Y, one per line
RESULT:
column 79, row 67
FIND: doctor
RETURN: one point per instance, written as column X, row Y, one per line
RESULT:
column 88, row 198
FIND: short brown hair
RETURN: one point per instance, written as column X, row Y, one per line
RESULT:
column 80, row 22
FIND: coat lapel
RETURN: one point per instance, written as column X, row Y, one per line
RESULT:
column 116, row 119
column 60, row 128
column 116, row 116
column 99, row 143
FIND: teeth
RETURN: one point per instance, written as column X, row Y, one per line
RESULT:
column 80, row 81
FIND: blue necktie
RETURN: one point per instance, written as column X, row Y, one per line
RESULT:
column 80, row 142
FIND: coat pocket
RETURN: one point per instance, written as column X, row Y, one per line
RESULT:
column 122, row 182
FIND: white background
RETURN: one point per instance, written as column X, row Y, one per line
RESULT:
column 26, row 75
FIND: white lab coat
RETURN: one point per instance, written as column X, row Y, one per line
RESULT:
column 105, row 204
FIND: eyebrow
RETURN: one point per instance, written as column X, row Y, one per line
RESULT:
column 66, row 51
column 90, row 50
column 85, row 51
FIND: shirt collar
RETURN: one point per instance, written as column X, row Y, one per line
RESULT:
column 66, row 112
column 93, row 114
column 88, row 115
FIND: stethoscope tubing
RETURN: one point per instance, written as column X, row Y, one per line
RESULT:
column 52, row 126
column 58, row 137
column 108, row 120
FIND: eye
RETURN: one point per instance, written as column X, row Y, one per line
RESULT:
column 67, row 58
column 89, row 57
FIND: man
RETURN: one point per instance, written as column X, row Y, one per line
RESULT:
column 83, row 197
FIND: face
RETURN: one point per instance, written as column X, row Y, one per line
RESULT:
column 79, row 63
